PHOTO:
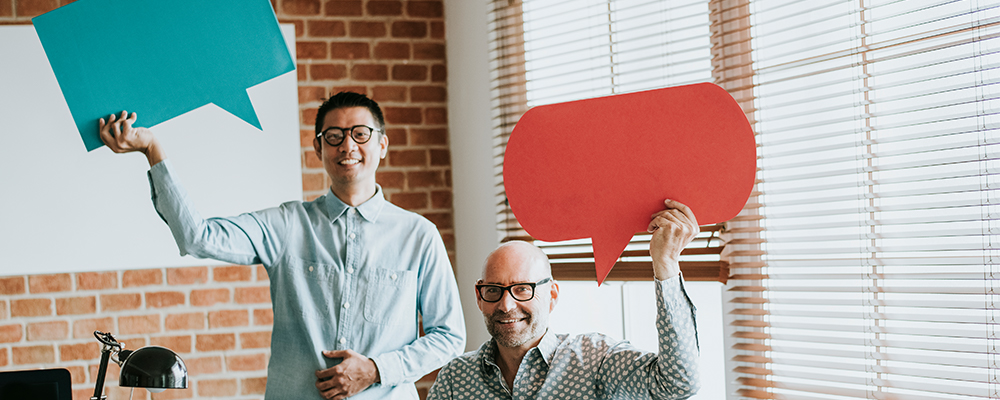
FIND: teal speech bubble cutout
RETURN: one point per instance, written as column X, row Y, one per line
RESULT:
column 160, row 58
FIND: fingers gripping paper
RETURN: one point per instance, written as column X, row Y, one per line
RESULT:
column 160, row 58
column 599, row 168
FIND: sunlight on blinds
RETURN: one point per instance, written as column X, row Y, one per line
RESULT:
column 877, row 123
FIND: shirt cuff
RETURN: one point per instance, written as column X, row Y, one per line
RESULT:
column 390, row 368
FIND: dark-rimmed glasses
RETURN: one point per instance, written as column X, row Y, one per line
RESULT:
column 519, row 291
column 334, row 136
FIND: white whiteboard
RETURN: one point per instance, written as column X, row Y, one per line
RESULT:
column 63, row 209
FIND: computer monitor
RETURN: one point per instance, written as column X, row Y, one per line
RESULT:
column 38, row 384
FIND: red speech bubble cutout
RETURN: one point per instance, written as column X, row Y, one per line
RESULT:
column 599, row 168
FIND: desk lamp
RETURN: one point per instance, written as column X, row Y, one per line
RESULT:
column 152, row 367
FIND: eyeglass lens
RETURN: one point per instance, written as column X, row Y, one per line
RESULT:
column 522, row 292
column 335, row 136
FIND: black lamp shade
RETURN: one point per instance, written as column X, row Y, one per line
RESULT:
column 153, row 367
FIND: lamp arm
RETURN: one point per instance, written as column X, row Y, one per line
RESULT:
column 110, row 344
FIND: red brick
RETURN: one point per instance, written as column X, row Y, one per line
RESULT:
column 449, row 244
column 4, row 311
column 248, row 362
column 255, row 340
column 80, row 351
column 397, row 136
column 187, row 275
column 440, row 158
column 50, row 283
column 300, row 7
column 164, row 299
column 438, row 73
column 441, row 199
column 216, row 387
column 370, row 72
column 323, row 28
column 367, row 29
column 306, row 137
column 408, row 158
column 311, row 160
column 390, row 179
column 430, row 9
column 355, row 89
column 253, row 385
column 118, row 302
column 305, row 50
column 406, row 72
column 344, row 8
column 179, row 344
column 252, row 295
column 138, row 324
column 4, row 358
column 402, row 115
column 32, row 8
column 379, row 7
column 429, row 93
column 204, row 365
column 49, row 330
column 12, row 285
column 442, row 220
column 45, row 354
column 76, row 305
column 447, row 178
column 436, row 116
column 263, row 316
column 185, row 321
column 262, row 274
column 310, row 94
column 300, row 72
column 437, row 29
column 349, row 50
column 228, row 318
column 96, row 280
column 313, row 182
column 309, row 116
column 389, row 93
column 410, row 201
column 142, row 277
column 30, row 307
column 84, row 328
column 6, row 10
column 392, row 51
column 232, row 273
column 429, row 136
column 77, row 374
column 11, row 333
column 409, row 29
column 213, row 342
column 418, row 179
column 428, row 51
column 208, row 297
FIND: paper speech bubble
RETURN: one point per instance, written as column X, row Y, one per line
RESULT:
column 160, row 59
column 599, row 168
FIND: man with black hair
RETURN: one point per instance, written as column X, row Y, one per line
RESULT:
column 349, row 271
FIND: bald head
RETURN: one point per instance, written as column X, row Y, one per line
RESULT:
column 517, row 258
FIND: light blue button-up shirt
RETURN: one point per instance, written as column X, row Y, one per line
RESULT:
column 341, row 278
column 591, row 366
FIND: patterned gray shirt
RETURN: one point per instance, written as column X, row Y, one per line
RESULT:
column 590, row 366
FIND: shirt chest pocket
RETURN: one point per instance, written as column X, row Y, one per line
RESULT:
column 391, row 297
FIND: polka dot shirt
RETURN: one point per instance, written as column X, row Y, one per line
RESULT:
column 590, row 366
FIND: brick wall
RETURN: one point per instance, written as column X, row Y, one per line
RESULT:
column 219, row 318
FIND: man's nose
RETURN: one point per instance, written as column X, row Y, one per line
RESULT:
column 507, row 302
column 348, row 144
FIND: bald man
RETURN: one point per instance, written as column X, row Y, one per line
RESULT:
column 525, row 361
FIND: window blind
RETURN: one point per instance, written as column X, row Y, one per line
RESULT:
column 869, row 269
column 551, row 51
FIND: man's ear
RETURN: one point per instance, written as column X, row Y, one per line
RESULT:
column 319, row 147
column 479, row 299
column 383, row 144
column 554, row 294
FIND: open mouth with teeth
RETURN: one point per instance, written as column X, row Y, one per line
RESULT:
column 349, row 161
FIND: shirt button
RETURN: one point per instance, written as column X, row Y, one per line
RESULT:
column 310, row 268
column 347, row 305
column 393, row 276
column 342, row 340
column 350, row 270
column 351, row 236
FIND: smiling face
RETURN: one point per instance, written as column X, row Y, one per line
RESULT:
column 351, row 166
column 512, row 323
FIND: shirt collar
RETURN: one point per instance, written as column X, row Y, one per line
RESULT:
column 369, row 210
column 546, row 347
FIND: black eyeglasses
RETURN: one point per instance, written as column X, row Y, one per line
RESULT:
column 334, row 136
column 519, row 291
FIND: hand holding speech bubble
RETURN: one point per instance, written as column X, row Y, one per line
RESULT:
column 599, row 168
column 162, row 58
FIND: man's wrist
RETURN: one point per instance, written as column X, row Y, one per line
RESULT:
column 666, row 269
